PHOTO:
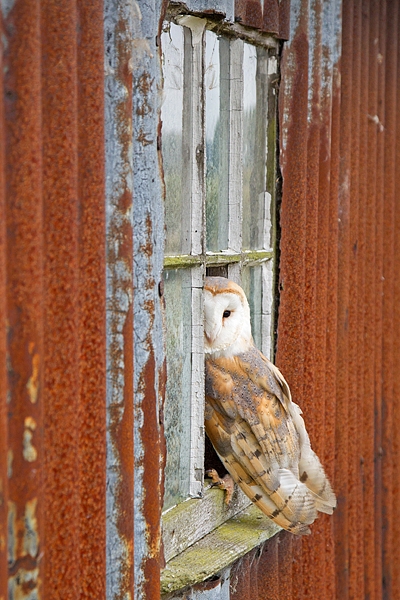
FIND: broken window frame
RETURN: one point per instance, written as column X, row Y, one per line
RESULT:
column 191, row 520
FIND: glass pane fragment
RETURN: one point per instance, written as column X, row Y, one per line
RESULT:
column 252, row 286
column 217, row 143
column 268, row 309
column 172, row 42
column 255, row 96
column 179, row 368
column 258, row 284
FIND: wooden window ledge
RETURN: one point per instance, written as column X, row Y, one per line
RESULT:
column 218, row 549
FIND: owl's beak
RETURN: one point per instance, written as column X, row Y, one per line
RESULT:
column 209, row 338
column 211, row 331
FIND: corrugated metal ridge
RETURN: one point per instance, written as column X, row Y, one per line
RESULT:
column 271, row 16
column 52, row 414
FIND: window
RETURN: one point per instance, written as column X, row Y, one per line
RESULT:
column 219, row 158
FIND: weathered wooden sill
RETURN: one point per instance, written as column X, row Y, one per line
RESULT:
column 224, row 257
column 227, row 542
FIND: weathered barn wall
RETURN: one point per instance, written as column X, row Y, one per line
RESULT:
column 52, row 405
column 339, row 323
column 80, row 92
column 81, row 353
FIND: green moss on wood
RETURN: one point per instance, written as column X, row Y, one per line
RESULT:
column 185, row 260
column 217, row 550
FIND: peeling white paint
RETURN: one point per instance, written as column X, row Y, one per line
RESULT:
column 33, row 382
column 23, row 585
column 31, row 536
column 272, row 65
column 29, row 452
column 196, row 26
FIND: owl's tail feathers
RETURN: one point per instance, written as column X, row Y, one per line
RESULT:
column 293, row 498
column 312, row 474
column 258, row 496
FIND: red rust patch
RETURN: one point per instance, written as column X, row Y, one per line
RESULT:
column 3, row 352
column 91, row 186
column 270, row 16
column 151, row 477
column 21, row 139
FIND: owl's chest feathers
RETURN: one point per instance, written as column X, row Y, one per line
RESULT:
column 230, row 390
column 225, row 379
column 233, row 396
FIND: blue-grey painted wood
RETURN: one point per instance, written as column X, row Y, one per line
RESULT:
column 118, row 35
column 225, row 7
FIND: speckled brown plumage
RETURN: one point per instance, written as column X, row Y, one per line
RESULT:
column 254, row 426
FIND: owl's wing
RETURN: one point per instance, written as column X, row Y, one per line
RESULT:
column 252, row 429
column 260, row 370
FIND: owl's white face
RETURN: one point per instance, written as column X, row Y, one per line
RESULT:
column 227, row 328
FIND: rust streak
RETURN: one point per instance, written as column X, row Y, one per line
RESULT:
column 154, row 449
column 3, row 349
column 92, row 335
column 293, row 106
column 390, row 532
column 61, row 301
column 22, row 142
column 313, row 551
column 120, row 350
column 395, row 325
column 356, row 579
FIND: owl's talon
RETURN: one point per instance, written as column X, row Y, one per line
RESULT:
column 226, row 483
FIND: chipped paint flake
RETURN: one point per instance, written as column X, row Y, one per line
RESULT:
column 195, row 24
column 30, row 423
column 140, row 48
column 31, row 536
column 29, row 451
column 24, row 585
column 33, row 382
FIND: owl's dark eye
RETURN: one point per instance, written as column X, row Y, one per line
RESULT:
column 227, row 313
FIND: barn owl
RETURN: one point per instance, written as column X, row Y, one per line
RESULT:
column 255, row 428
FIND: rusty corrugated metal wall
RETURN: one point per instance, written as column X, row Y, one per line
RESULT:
column 52, row 406
column 339, row 326
column 79, row 99
column 81, row 327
